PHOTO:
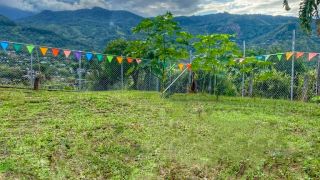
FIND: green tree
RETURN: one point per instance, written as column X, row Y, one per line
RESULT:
column 307, row 13
column 165, row 41
column 105, row 75
column 213, row 54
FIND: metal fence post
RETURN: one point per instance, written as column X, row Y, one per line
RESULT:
column 31, row 71
column 318, row 77
column 243, row 76
column 292, row 65
column 79, row 74
column 122, row 83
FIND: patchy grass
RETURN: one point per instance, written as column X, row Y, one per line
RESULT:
column 138, row 135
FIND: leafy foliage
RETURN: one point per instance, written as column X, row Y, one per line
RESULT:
column 165, row 42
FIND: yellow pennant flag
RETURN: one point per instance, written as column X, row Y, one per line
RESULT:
column 289, row 55
column 181, row 66
column 120, row 59
column 43, row 50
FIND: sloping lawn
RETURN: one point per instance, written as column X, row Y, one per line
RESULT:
column 138, row 135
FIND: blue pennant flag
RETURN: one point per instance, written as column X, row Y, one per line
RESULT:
column 4, row 45
column 89, row 56
column 260, row 58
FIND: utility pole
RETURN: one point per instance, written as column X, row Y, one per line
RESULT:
column 244, row 57
column 292, row 65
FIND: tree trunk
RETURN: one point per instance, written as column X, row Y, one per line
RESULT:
column 251, row 85
column 305, row 88
column 36, row 83
column 210, row 84
column 135, row 77
column 193, row 88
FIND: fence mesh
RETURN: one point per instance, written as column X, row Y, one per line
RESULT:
column 24, row 70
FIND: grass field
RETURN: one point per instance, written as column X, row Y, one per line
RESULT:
column 138, row 135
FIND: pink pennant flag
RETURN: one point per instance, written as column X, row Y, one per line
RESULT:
column 67, row 53
column 138, row 61
column 312, row 55
column 299, row 54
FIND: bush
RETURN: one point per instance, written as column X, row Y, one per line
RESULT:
column 316, row 99
column 272, row 84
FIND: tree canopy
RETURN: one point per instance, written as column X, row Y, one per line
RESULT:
column 308, row 11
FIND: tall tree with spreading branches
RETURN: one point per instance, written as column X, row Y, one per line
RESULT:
column 307, row 13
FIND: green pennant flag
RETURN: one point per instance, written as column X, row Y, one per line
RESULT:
column 110, row 58
column 279, row 56
column 30, row 48
column 99, row 57
column 266, row 57
column 17, row 47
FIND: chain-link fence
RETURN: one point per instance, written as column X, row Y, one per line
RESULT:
column 21, row 69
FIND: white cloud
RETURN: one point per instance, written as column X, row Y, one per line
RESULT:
column 155, row 7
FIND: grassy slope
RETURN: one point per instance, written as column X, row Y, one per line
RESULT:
column 139, row 135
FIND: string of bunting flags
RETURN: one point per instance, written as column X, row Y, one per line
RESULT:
column 289, row 55
column 77, row 54
column 66, row 52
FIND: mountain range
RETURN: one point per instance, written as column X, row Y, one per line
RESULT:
column 91, row 29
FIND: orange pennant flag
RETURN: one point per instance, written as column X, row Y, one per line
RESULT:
column 181, row 66
column 130, row 60
column 55, row 52
column 120, row 59
column 299, row 54
column 189, row 66
column 67, row 53
column 312, row 55
column 43, row 50
column 289, row 55
column 138, row 61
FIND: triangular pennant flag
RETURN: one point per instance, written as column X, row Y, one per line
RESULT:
column 77, row 54
column 279, row 56
column 119, row 59
column 138, row 61
column 260, row 58
column 55, row 52
column 4, row 45
column 181, row 66
column 312, row 55
column 99, row 57
column 110, row 58
column 266, row 57
column 299, row 54
column 130, row 60
column 289, row 55
column 30, row 48
column 67, row 53
column 89, row 56
column 17, row 47
column 43, row 50
column 189, row 66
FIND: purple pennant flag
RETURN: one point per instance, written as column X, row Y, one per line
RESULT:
column 78, row 55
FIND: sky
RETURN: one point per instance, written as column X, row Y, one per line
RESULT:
column 148, row 8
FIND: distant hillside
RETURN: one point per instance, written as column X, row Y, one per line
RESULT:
column 93, row 28
column 10, row 31
column 13, row 13
column 259, row 31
